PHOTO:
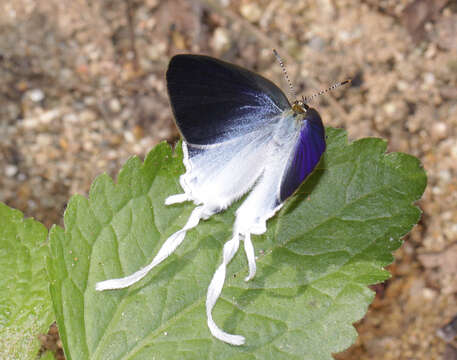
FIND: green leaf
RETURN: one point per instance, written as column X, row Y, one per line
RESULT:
column 25, row 304
column 331, row 240
column 48, row 355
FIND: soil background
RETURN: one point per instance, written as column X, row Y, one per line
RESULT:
column 82, row 89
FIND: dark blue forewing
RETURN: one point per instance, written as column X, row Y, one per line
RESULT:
column 213, row 100
column 307, row 153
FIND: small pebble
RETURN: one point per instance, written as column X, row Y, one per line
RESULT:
column 220, row 41
column 390, row 108
column 156, row 51
column 454, row 151
column 402, row 85
column 251, row 11
column 152, row 3
column 114, row 105
column 87, row 116
column 428, row 294
column 10, row 170
column 439, row 130
column 444, row 175
column 129, row 137
column 429, row 78
column 36, row 95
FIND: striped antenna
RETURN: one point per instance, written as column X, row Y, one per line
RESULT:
column 307, row 99
column 283, row 67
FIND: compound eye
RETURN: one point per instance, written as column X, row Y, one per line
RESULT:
column 298, row 107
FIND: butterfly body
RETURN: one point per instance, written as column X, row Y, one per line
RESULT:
column 240, row 136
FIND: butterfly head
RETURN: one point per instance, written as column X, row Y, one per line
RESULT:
column 302, row 113
column 299, row 107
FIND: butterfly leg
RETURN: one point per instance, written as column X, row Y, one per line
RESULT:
column 166, row 250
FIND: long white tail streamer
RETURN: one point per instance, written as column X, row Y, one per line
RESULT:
column 218, row 280
column 214, row 291
column 178, row 198
column 249, row 250
column 165, row 251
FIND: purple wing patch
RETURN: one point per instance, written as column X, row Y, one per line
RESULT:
column 307, row 153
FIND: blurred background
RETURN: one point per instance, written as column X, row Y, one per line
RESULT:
column 82, row 89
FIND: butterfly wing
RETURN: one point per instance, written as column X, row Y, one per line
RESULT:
column 299, row 151
column 307, row 152
column 226, row 115
column 218, row 174
column 213, row 101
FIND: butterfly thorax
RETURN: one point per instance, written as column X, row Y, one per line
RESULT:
column 299, row 109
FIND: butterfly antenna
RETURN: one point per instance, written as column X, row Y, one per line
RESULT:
column 283, row 67
column 307, row 99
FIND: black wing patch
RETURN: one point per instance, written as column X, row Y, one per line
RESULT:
column 213, row 100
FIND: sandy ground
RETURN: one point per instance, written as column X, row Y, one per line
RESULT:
column 82, row 89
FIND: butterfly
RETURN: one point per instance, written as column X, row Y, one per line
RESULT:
column 240, row 135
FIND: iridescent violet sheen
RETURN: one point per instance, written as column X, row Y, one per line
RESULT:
column 307, row 153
